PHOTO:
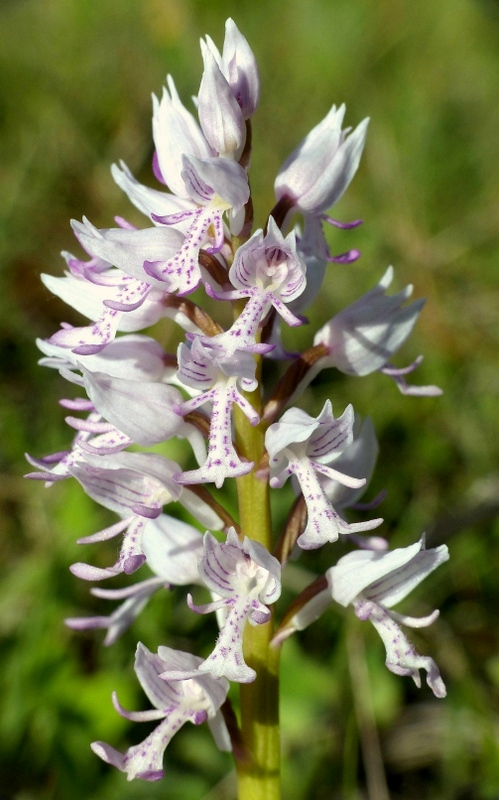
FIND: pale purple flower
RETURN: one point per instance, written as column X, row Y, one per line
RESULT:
column 217, row 186
column 216, row 373
column 247, row 579
column 373, row 582
column 194, row 699
column 238, row 65
column 365, row 335
column 220, row 115
column 136, row 486
column 319, row 170
column 121, row 303
column 176, row 133
column 269, row 272
column 317, row 173
column 305, row 446
column 172, row 549
column 362, row 337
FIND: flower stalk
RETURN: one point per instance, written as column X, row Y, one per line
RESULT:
column 258, row 772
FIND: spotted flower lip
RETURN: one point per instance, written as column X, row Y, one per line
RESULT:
column 131, row 306
column 247, row 579
column 305, row 446
column 209, row 367
column 172, row 548
column 373, row 581
column 194, row 699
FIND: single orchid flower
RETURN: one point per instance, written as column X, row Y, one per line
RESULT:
column 267, row 270
column 136, row 486
column 316, row 175
column 172, row 549
column 247, row 579
column 124, row 304
column 217, row 186
column 305, row 446
column 194, row 699
column 373, row 582
column 364, row 336
column 217, row 372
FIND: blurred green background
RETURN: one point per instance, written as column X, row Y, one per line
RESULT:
column 75, row 84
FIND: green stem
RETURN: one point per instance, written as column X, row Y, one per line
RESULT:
column 259, row 772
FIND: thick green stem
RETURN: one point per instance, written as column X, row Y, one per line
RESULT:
column 259, row 772
column 259, row 775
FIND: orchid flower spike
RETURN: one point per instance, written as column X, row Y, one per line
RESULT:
column 140, row 400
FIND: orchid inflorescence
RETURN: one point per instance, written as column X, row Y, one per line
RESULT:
column 211, row 394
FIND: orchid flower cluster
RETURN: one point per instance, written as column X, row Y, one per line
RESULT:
column 198, row 236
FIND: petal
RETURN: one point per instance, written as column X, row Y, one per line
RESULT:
column 219, row 112
column 392, row 588
column 173, row 549
column 176, row 133
column 401, row 656
column 149, row 201
column 227, row 658
column 355, row 572
column 241, row 69
column 143, row 411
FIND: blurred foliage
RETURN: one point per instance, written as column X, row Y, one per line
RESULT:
column 75, row 80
